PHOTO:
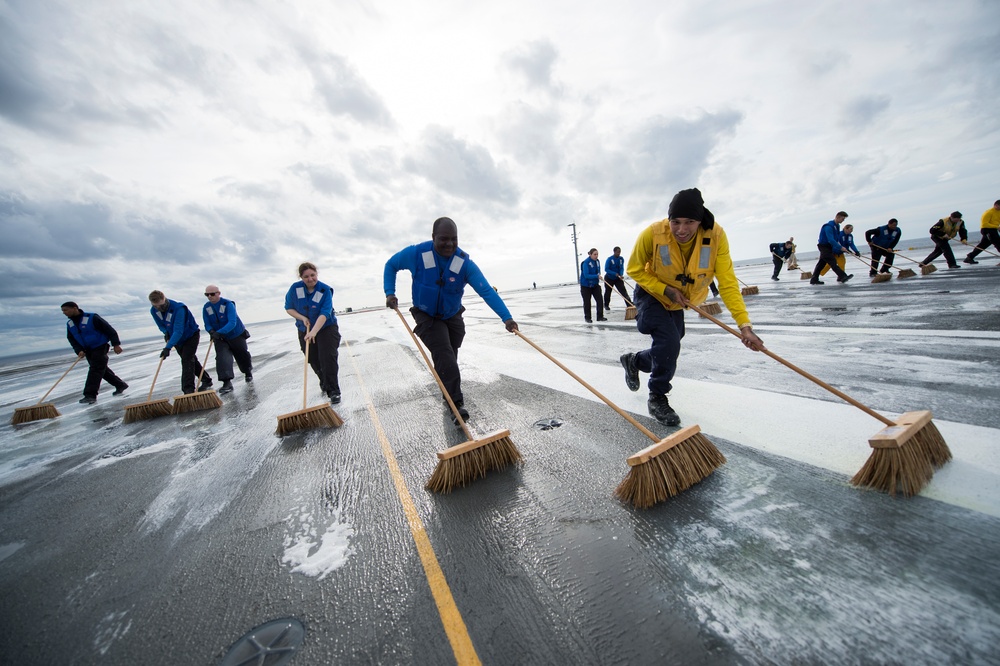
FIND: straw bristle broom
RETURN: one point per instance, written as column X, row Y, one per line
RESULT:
column 199, row 400
column 150, row 409
column 746, row 291
column 668, row 467
column 320, row 416
column 630, row 311
column 41, row 409
column 904, row 453
column 463, row 463
column 924, row 270
column 712, row 308
column 867, row 261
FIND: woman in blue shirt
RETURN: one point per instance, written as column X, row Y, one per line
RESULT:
column 310, row 303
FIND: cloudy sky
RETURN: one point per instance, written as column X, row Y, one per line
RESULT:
column 169, row 145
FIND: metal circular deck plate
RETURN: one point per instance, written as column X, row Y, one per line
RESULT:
column 548, row 424
column 269, row 644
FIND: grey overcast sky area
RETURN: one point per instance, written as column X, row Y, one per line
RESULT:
column 168, row 146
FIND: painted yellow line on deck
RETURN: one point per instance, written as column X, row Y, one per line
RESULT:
column 451, row 618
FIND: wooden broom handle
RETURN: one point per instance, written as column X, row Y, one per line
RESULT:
column 572, row 374
column 58, row 380
column 895, row 253
column 207, row 352
column 868, row 260
column 630, row 303
column 840, row 394
column 440, row 384
column 305, row 370
column 155, row 375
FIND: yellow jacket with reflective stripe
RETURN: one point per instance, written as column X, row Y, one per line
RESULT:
column 658, row 260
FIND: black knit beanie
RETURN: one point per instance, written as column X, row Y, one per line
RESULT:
column 687, row 203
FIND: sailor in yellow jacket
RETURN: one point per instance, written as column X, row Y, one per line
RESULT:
column 673, row 263
column 990, row 228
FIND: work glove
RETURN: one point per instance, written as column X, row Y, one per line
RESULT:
column 391, row 302
column 218, row 337
column 165, row 353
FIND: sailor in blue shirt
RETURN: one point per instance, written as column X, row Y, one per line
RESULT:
column 590, row 285
column 181, row 332
column 614, row 271
column 440, row 271
column 91, row 336
column 829, row 247
column 882, row 240
column 229, row 335
column 310, row 303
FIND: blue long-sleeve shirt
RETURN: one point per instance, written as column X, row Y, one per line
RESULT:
column 590, row 272
column 829, row 234
column 847, row 240
column 614, row 267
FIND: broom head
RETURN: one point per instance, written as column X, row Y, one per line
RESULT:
column 321, row 416
column 928, row 269
column 463, row 463
column 749, row 291
column 881, row 277
column 43, row 410
column 630, row 313
column 711, row 308
column 196, row 402
column 904, row 273
column 147, row 410
column 806, row 275
column 669, row 467
column 904, row 456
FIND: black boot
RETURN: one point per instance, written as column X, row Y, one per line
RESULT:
column 659, row 409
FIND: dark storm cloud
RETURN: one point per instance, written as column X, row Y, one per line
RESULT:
column 664, row 155
column 460, row 168
column 48, row 88
column 860, row 112
column 70, row 230
column 324, row 179
column 344, row 92
column 534, row 61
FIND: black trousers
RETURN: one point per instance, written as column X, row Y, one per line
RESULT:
column 778, row 263
column 941, row 246
column 595, row 293
column 99, row 370
column 827, row 258
column 226, row 351
column 443, row 337
column 877, row 254
column 990, row 237
column 324, row 357
column 190, row 365
column 618, row 284
column 666, row 328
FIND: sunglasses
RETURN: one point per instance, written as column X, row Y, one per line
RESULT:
column 209, row 294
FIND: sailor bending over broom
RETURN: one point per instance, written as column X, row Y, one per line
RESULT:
column 440, row 272
column 673, row 263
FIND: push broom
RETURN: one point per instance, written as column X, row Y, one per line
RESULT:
column 904, row 454
column 150, row 409
column 463, row 463
column 666, row 468
column 630, row 310
column 878, row 277
column 199, row 400
column 924, row 269
column 806, row 275
column 41, row 409
column 903, row 272
column 746, row 291
column 320, row 416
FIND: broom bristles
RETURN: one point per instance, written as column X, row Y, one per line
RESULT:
column 711, row 308
column 631, row 312
column 196, row 402
column 904, row 456
column 147, row 410
column 806, row 275
column 881, row 277
column 321, row 416
column 464, row 463
column 44, row 410
column 928, row 269
column 904, row 273
column 668, row 468
column 750, row 291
